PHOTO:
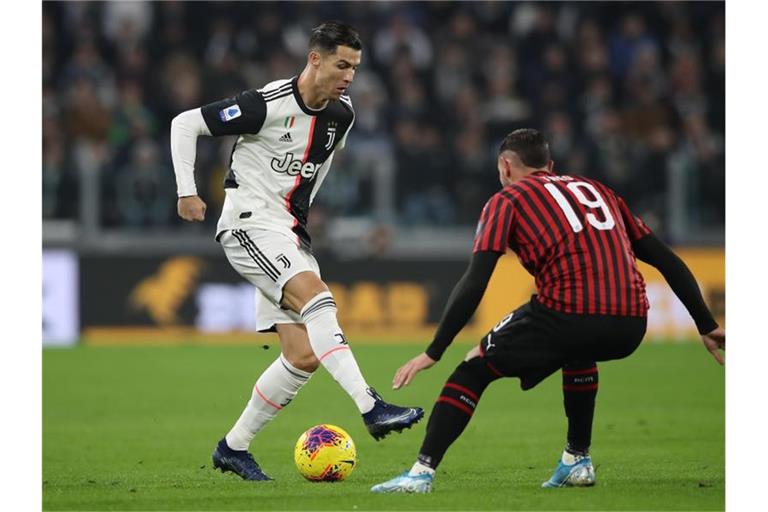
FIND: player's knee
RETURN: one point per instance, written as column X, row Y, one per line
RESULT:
column 473, row 353
column 304, row 361
column 303, row 289
column 475, row 373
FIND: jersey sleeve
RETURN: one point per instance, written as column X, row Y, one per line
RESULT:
column 347, row 103
column 636, row 228
column 245, row 113
column 494, row 226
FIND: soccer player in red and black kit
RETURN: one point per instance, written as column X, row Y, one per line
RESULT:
column 579, row 240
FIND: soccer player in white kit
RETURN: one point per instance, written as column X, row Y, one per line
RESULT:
column 287, row 133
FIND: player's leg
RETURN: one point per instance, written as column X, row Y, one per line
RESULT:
column 503, row 352
column 596, row 339
column 274, row 390
column 280, row 382
column 450, row 415
column 277, row 386
column 580, row 383
column 306, row 293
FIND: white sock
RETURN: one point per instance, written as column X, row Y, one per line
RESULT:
column 421, row 469
column 331, row 348
column 569, row 459
column 274, row 390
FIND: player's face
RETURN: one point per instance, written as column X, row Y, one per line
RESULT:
column 336, row 71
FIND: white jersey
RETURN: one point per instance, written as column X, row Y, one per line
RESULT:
column 281, row 157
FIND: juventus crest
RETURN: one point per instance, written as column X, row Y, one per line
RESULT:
column 331, row 135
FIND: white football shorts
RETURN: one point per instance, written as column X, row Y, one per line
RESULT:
column 268, row 260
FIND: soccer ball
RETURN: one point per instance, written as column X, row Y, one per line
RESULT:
column 325, row 453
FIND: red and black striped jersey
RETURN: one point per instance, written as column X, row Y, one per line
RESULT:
column 574, row 235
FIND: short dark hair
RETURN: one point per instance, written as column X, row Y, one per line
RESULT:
column 331, row 34
column 529, row 144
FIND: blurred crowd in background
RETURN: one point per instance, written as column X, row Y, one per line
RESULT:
column 627, row 92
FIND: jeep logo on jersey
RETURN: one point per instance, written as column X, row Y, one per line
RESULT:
column 293, row 167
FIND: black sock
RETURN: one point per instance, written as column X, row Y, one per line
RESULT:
column 454, row 408
column 579, row 393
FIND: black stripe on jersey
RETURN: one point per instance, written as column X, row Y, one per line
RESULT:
column 272, row 92
column 247, row 244
column 621, row 265
column 523, row 231
column 564, row 228
column 603, row 246
column 538, row 214
column 525, row 203
column 591, row 245
column 616, row 306
column 283, row 95
column 348, row 104
column 264, row 256
column 506, row 220
column 615, row 252
column 230, row 180
column 494, row 210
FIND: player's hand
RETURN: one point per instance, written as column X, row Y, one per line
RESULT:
column 191, row 208
column 715, row 341
column 408, row 371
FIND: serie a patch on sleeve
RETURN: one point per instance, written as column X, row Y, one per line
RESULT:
column 230, row 113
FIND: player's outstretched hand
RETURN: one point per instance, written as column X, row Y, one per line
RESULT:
column 408, row 371
column 191, row 208
column 715, row 341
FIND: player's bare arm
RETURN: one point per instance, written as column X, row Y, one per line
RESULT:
column 461, row 305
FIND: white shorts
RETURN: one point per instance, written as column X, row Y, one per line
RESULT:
column 268, row 260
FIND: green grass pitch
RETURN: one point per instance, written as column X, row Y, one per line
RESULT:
column 133, row 429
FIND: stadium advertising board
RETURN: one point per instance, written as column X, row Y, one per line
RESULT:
column 191, row 298
column 60, row 298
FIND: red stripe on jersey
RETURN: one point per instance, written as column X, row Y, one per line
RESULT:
column 297, row 181
column 590, row 271
column 620, row 306
column 493, row 223
column 608, row 274
column 502, row 228
column 488, row 224
column 551, row 283
column 309, row 139
column 550, row 274
column 626, row 261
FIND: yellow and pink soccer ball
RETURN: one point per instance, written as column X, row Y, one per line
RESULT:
column 325, row 453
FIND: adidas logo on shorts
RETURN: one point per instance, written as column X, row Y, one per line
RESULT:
column 286, row 137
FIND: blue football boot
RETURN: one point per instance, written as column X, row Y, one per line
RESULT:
column 418, row 484
column 239, row 462
column 384, row 417
column 579, row 474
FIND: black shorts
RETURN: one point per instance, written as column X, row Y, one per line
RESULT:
column 534, row 341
